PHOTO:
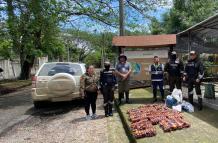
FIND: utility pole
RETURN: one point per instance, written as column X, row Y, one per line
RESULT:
column 121, row 16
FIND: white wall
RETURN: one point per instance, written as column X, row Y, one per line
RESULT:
column 8, row 67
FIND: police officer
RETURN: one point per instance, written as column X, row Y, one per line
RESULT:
column 157, row 70
column 194, row 73
column 175, row 70
column 107, row 83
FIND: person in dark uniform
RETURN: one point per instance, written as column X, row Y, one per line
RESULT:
column 107, row 84
column 175, row 70
column 157, row 70
column 123, row 71
column 194, row 72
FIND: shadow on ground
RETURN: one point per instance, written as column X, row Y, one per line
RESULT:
column 207, row 115
column 8, row 102
column 55, row 108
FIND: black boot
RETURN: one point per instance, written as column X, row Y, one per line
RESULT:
column 154, row 99
column 200, row 106
column 190, row 99
column 110, row 109
column 106, row 110
column 120, row 98
column 127, row 97
column 154, row 95
column 162, row 96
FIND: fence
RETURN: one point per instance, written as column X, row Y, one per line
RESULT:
column 12, row 69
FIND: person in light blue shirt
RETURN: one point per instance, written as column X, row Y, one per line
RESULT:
column 123, row 71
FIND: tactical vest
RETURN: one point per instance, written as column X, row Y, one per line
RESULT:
column 192, row 69
column 107, row 78
column 157, row 72
column 174, row 68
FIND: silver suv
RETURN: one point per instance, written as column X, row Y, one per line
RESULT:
column 57, row 81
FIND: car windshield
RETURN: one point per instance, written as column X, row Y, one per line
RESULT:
column 51, row 69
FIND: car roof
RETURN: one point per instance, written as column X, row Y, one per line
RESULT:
column 65, row 63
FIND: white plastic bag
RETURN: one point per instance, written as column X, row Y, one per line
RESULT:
column 177, row 94
column 187, row 106
column 177, row 107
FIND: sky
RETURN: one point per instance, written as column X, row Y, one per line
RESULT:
column 85, row 24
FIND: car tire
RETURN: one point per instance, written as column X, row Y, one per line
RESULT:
column 37, row 104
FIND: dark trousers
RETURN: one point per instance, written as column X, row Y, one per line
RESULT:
column 156, row 84
column 90, row 99
column 108, row 94
column 191, row 85
column 174, row 81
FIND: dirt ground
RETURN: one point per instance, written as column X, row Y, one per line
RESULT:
column 57, row 123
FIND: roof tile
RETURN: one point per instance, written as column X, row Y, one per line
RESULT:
column 147, row 41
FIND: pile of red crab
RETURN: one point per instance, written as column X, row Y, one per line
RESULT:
column 145, row 117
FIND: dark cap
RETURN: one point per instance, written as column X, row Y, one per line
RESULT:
column 122, row 56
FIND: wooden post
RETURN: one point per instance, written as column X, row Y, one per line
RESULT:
column 121, row 17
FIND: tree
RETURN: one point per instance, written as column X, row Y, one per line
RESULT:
column 106, row 12
column 86, row 47
column 156, row 27
column 186, row 13
column 34, row 26
column 33, row 29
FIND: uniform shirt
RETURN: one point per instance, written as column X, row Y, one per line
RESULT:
column 157, row 71
column 123, row 69
column 88, row 80
column 194, row 69
column 174, row 68
column 107, row 78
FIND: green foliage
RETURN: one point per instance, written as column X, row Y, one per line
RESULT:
column 5, row 49
column 184, row 14
column 33, row 27
column 156, row 27
column 94, row 59
column 88, row 47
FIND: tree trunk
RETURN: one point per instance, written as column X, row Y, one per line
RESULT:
column 26, row 67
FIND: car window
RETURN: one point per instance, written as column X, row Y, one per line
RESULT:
column 53, row 68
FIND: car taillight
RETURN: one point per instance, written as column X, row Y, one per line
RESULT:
column 34, row 79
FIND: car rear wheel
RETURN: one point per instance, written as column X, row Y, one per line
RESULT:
column 37, row 104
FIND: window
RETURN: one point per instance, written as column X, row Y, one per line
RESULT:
column 51, row 69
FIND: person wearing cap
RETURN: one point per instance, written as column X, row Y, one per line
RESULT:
column 123, row 71
column 175, row 69
column 194, row 72
column 107, row 86
column 157, row 74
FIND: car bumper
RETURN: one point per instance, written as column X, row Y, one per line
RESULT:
column 48, row 97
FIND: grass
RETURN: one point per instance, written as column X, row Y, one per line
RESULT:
column 204, row 124
column 116, row 132
column 8, row 86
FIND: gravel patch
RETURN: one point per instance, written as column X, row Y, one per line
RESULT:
column 66, row 127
